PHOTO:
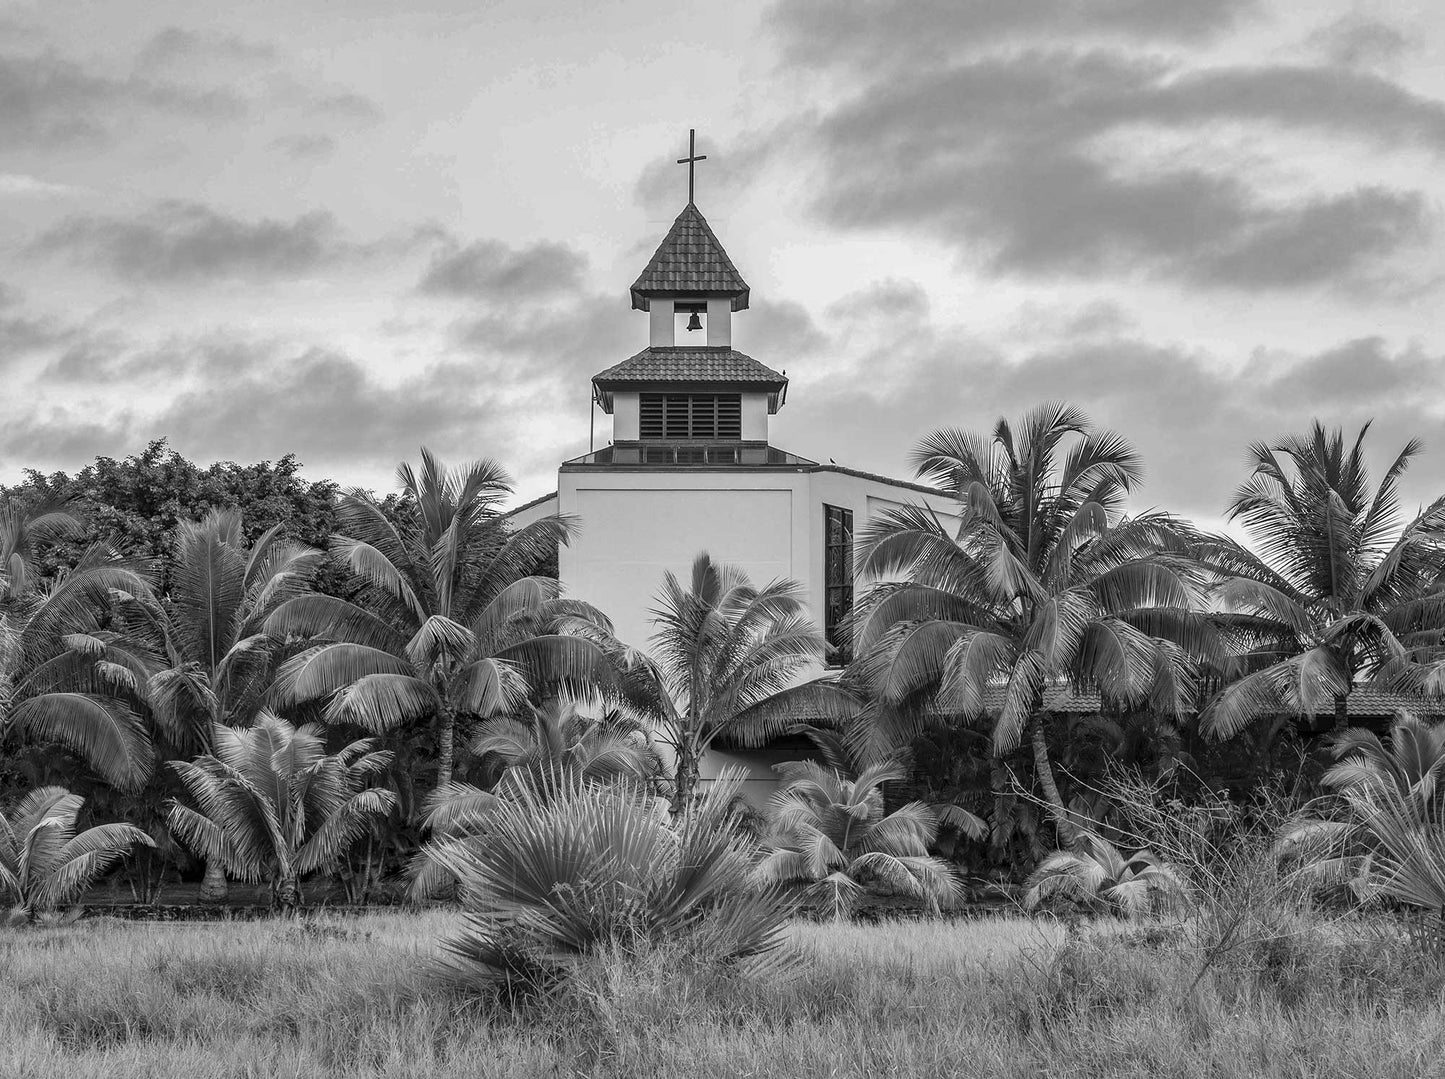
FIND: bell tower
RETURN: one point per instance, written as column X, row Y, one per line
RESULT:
column 689, row 398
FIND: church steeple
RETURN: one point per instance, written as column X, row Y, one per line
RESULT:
column 697, row 400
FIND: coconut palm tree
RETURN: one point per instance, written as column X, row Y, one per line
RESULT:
column 54, row 685
column 44, row 862
column 1101, row 877
column 1342, row 589
column 272, row 805
column 450, row 623
column 1044, row 584
column 556, row 736
column 203, row 645
column 198, row 656
column 831, row 833
column 731, row 664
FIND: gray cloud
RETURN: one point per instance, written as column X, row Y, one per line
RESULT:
column 491, row 270
column 305, row 147
column 1191, row 420
column 186, row 242
column 904, row 33
column 47, row 100
column 999, row 156
column 254, row 400
column 175, row 46
column 1359, row 41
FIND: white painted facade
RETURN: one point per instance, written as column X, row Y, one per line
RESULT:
column 762, row 510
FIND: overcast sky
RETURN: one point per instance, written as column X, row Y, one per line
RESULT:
column 331, row 229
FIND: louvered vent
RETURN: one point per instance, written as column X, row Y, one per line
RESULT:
column 677, row 416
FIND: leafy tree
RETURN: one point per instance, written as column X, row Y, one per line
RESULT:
column 448, row 624
column 272, row 805
column 832, row 834
column 53, row 686
column 731, row 664
column 1045, row 584
column 578, row 868
column 136, row 504
column 1100, row 877
column 44, row 862
column 1342, row 590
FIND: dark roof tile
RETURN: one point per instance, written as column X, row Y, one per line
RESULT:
column 690, row 259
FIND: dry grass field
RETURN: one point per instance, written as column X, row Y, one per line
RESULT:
column 104, row 999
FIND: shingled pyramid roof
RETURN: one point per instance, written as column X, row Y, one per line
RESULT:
column 690, row 259
column 662, row 365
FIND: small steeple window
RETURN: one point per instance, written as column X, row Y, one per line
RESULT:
column 685, row 416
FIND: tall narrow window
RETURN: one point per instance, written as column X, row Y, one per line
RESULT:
column 837, row 581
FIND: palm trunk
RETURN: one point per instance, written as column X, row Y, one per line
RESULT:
column 1001, row 784
column 685, row 779
column 286, row 894
column 1342, row 712
column 214, row 888
column 446, row 738
column 1044, row 770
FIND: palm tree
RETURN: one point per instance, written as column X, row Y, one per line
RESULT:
column 449, row 623
column 44, row 862
column 1340, row 592
column 557, row 737
column 273, row 806
column 731, row 661
column 55, row 684
column 1100, row 876
column 1339, row 848
column 203, row 644
column 832, row 834
column 1414, row 762
column 1044, row 585
column 199, row 655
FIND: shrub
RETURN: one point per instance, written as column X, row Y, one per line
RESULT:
column 44, row 863
column 1102, row 878
column 569, row 869
column 831, row 834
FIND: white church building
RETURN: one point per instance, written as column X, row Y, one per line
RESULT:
column 691, row 464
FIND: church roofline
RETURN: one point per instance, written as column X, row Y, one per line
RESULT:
column 690, row 368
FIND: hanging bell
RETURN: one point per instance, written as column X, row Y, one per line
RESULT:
column 694, row 323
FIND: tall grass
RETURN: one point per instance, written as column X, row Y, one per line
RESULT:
column 1006, row 997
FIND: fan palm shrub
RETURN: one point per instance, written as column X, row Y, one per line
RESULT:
column 832, row 835
column 1342, row 591
column 1101, row 877
column 546, row 743
column 1044, row 584
column 55, row 686
column 1338, row 848
column 574, row 869
column 45, row 862
column 450, row 623
column 271, row 805
column 732, row 662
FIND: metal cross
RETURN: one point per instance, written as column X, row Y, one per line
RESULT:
column 691, row 160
